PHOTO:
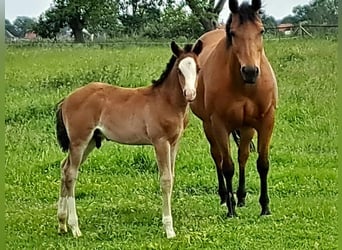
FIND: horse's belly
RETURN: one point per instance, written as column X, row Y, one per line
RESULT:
column 133, row 134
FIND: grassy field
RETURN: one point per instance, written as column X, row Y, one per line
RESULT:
column 118, row 195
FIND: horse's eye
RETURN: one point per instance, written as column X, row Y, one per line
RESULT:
column 232, row 33
column 262, row 31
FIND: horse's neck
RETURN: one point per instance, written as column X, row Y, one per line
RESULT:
column 171, row 90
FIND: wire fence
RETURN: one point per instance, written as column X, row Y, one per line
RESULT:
column 283, row 32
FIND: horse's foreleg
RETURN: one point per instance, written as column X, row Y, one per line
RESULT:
column 221, row 136
column 264, row 138
column 217, row 157
column 243, row 153
column 174, row 149
column 163, row 154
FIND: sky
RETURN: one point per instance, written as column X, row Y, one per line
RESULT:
column 33, row 8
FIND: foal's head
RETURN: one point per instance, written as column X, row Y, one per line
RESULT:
column 244, row 34
column 187, row 67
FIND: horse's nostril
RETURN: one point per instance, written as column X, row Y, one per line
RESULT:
column 250, row 70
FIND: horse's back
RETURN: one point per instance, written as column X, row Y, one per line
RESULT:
column 210, row 39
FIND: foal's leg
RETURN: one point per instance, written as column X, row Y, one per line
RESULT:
column 217, row 157
column 246, row 136
column 163, row 154
column 174, row 149
column 264, row 138
column 67, row 195
column 62, row 211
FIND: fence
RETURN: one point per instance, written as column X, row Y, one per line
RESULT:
column 272, row 33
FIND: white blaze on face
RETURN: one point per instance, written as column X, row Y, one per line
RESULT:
column 189, row 70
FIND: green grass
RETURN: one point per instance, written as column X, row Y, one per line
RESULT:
column 118, row 195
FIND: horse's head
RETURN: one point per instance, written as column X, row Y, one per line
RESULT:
column 244, row 34
column 187, row 67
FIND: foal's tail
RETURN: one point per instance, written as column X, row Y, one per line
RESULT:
column 62, row 135
column 236, row 137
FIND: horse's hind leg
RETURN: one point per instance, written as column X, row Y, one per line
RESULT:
column 62, row 211
column 246, row 136
column 67, row 202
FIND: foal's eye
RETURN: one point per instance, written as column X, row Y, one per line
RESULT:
column 232, row 33
column 262, row 31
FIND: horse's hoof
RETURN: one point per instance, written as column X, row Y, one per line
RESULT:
column 170, row 234
column 62, row 229
column 241, row 203
column 265, row 212
column 231, row 215
column 76, row 232
column 223, row 203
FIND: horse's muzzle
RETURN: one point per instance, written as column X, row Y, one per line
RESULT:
column 189, row 94
column 249, row 74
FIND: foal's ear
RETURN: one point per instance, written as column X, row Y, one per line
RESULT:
column 256, row 5
column 234, row 6
column 198, row 47
column 175, row 49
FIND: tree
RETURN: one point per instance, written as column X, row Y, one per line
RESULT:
column 49, row 24
column 206, row 11
column 318, row 12
column 135, row 14
column 11, row 28
column 290, row 19
column 78, row 14
column 23, row 24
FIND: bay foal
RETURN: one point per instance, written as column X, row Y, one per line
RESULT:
column 237, row 90
column 153, row 115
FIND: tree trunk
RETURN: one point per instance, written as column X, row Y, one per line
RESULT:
column 207, row 16
column 76, row 25
column 78, row 36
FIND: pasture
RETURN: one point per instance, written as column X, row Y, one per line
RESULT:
column 118, row 194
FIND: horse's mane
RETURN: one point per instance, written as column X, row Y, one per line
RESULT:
column 246, row 13
column 169, row 66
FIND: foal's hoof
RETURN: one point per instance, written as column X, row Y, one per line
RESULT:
column 62, row 229
column 170, row 234
column 76, row 232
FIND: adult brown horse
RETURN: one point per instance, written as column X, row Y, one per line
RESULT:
column 237, row 91
column 155, row 114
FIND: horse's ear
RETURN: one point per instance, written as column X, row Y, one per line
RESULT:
column 234, row 6
column 198, row 47
column 256, row 5
column 175, row 49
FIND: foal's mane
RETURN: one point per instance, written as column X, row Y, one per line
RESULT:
column 246, row 13
column 187, row 48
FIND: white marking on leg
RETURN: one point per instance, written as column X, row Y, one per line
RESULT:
column 166, row 185
column 168, row 226
column 62, row 214
column 73, row 219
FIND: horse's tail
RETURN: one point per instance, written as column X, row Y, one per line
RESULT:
column 236, row 137
column 62, row 135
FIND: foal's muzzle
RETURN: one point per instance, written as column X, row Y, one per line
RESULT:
column 249, row 74
column 189, row 94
